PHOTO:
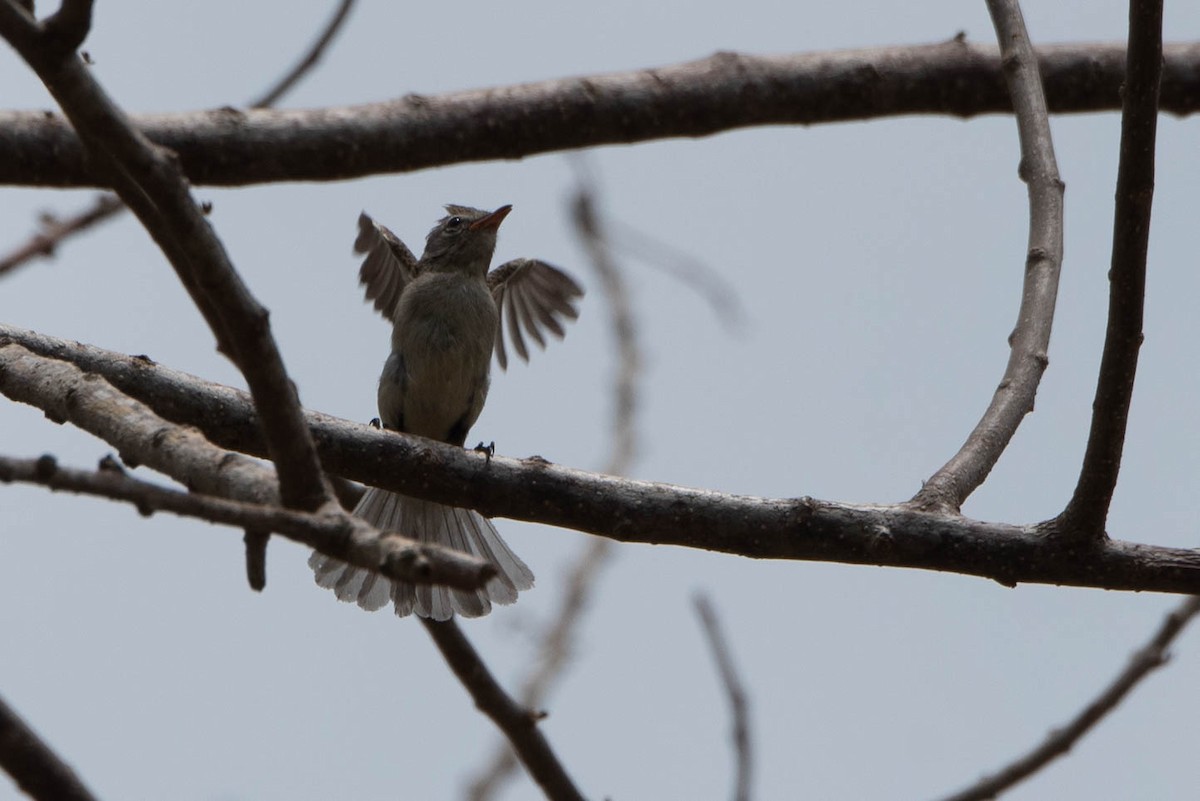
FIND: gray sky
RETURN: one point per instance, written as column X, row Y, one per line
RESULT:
column 880, row 264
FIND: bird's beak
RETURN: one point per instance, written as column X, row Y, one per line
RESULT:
column 492, row 221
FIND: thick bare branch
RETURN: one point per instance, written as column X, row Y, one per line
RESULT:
column 339, row 535
column 149, row 181
column 1030, row 339
column 642, row 511
column 517, row 723
column 1152, row 655
column 720, row 93
column 33, row 765
column 1087, row 511
column 142, row 437
column 65, row 29
column 67, row 394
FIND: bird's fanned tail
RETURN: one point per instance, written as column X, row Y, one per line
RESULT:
column 425, row 521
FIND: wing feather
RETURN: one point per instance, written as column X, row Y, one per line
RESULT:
column 533, row 298
column 388, row 267
column 514, row 327
column 529, row 322
column 498, row 295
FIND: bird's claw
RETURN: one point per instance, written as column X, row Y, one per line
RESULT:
column 488, row 450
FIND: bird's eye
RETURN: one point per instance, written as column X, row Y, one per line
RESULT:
column 453, row 223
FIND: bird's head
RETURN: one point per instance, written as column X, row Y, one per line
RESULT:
column 463, row 240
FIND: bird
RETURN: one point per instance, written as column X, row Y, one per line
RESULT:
column 450, row 316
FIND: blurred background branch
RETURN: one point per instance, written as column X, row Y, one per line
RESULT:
column 735, row 691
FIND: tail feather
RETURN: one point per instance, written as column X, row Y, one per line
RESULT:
column 463, row 530
column 350, row 583
column 503, row 589
column 470, row 604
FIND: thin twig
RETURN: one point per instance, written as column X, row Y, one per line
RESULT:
column 53, row 231
column 309, row 60
column 1030, row 340
column 735, row 691
column 1085, row 515
column 33, row 765
column 724, row 92
column 518, row 723
column 641, row 511
column 141, row 437
column 105, row 206
column 1061, row 740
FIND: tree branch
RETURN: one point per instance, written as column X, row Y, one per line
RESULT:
column 65, row 29
column 518, row 724
column 338, row 535
column 1086, row 512
column 629, row 360
column 33, row 765
column 699, row 98
column 142, row 437
column 149, row 181
column 642, row 511
column 554, row 649
column 309, row 60
column 1061, row 740
column 1030, row 340
column 715, row 289
column 106, row 206
column 54, row 231
column 739, row 705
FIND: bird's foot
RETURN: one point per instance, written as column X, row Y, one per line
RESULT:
column 488, row 450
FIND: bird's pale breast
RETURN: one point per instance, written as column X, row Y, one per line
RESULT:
column 437, row 380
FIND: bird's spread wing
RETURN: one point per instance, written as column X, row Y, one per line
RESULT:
column 388, row 267
column 533, row 298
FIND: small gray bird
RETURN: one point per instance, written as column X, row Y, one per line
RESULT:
column 448, row 314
